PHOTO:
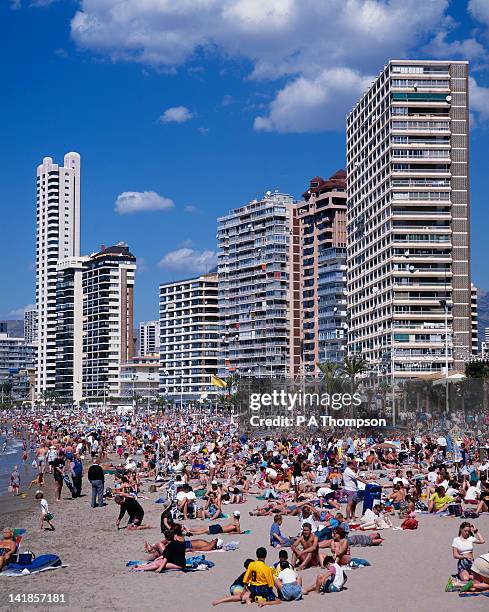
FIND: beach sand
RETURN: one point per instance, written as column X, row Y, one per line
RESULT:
column 408, row 572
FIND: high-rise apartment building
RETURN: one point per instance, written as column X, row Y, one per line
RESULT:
column 322, row 224
column 30, row 325
column 259, row 288
column 16, row 356
column 408, row 219
column 69, row 329
column 189, row 337
column 58, row 237
column 149, row 338
column 474, row 320
column 108, row 302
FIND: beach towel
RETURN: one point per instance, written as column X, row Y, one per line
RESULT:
column 485, row 594
column 39, row 564
column 194, row 563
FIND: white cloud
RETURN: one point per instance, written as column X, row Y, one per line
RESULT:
column 15, row 5
column 227, row 100
column 479, row 100
column 137, row 201
column 314, row 104
column 176, row 114
column 479, row 10
column 310, row 43
column 469, row 48
column 190, row 208
column 188, row 260
column 19, row 312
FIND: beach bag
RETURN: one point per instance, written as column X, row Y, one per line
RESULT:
column 25, row 558
column 470, row 514
column 455, row 509
column 410, row 523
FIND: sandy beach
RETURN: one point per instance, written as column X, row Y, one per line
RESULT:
column 408, row 572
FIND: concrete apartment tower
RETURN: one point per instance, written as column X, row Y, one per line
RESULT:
column 108, row 320
column 189, row 338
column 58, row 237
column 30, row 325
column 409, row 289
column 259, row 288
column 69, row 330
column 149, row 338
column 322, row 225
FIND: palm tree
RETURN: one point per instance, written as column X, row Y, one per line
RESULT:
column 354, row 366
column 332, row 373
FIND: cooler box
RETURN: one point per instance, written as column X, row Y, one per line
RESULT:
column 372, row 494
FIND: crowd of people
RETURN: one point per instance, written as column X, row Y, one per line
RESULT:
column 344, row 489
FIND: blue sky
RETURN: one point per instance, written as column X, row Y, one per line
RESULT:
column 183, row 110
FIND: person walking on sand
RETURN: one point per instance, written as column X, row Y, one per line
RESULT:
column 46, row 516
column 96, row 478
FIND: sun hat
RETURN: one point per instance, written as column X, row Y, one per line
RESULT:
column 237, row 513
column 481, row 566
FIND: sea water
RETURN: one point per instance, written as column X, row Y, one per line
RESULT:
column 10, row 457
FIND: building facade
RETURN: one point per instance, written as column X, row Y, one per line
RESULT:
column 408, row 219
column 322, row 225
column 139, row 378
column 30, row 325
column 108, row 325
column 16, row 357
column 474, row 320
column 149, row 338
column 189, row 337
column 260, row 288
column 58, row 237
column 69, row 330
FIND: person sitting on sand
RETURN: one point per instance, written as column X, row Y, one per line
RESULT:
column 340, row 547
column 483, row 505
column 233, row 527
column 236, row 589
column 276, row 537
column 212, row 509
column 439, row 501
column 463, row 549
column 305, row 549
column 7, row 547
column 288, row 583
column 173, row 556
column 134, row 510
column 259, row 581
column 331, row 581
